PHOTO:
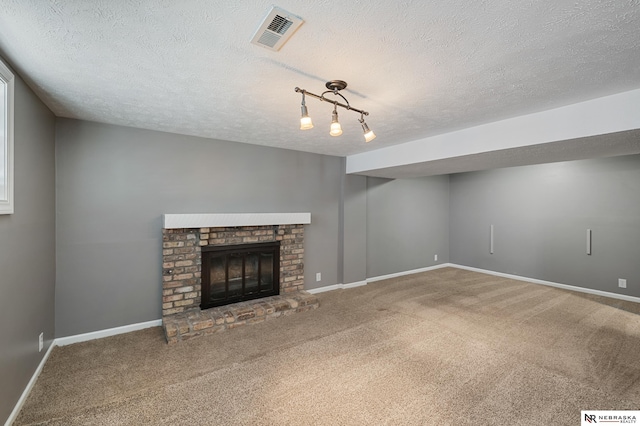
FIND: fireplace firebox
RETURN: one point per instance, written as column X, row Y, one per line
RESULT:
column 237, row 273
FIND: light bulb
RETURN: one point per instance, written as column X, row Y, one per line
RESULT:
column 305, row 120
column 336, row 129
column 368, row 134
column 305, row 123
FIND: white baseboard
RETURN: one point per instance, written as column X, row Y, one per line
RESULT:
column 410, row 272
column 483, row 271
column 336, row 287
column 27, row 390
column 323, row 289
column 63, row 341
column 374, row 279
column 551, row 284
column 355, row 284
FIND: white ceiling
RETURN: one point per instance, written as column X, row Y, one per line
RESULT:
column 421, row 68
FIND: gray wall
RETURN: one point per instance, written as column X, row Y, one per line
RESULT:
column 27, row 250
column 540, row 216
column 407, row 224
column 113, row 185
column 354, row 231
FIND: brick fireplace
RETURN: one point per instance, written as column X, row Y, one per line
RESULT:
column 182, row 244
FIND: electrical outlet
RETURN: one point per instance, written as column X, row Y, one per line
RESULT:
column 40, row 342
column 318, row 276
column 622, row 283
column 435, row 258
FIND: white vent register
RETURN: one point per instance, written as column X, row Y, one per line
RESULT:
column 276, row 29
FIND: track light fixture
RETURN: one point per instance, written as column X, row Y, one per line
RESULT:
column 334, row 87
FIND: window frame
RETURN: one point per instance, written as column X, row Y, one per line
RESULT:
column 6, row 140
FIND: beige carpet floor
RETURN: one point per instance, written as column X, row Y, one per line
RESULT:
column 446, row 347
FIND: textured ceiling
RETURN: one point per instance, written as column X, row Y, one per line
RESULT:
column 420, row 68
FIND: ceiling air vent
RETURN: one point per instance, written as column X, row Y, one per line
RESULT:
column 276, row 29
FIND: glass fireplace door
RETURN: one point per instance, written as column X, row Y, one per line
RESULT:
column 235, row 273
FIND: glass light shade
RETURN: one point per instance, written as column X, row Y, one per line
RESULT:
column 306, row 123
column 305, row 120
column 336, row 129
column 369, row 136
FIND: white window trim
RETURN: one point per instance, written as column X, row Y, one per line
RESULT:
column 6, row 139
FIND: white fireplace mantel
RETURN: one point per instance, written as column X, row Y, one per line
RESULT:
column 217, row 220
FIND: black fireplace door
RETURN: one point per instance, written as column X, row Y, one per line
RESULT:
column 242, row 272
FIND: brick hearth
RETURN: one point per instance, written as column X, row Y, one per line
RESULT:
column 196, row 322
column 182, row 317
